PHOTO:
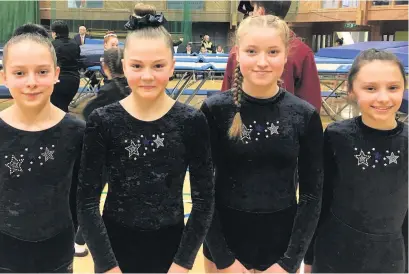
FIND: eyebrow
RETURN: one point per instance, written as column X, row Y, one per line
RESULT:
column 375, row 82
column 255, row 46
column 155, row 61
column 23, row 66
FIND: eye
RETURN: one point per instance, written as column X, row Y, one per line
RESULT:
column 370, row 88
column 136, row 66
column 393, row 88
column 43, row 72
column 158, row 66
column 19, row 73
column 274, row 51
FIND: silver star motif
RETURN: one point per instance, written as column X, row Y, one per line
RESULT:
column 159, row 141
column 245, row 133
column 133, row 149
column 48, row 154
column 362, row 158
column 14, row 165
column 392, row 158
column 273, row 129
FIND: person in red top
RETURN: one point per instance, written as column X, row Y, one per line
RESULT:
column 300, row 75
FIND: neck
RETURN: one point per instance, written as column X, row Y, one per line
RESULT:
column 262, row 92
column 149, row 110
column 33, row 118
column 381, row 125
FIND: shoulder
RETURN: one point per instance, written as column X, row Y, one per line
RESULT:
column 107, row 114
column 188, row 113
column 74, row 123
column 342, row 128
column 404, row 133
column 219, row 100
column 297, row 104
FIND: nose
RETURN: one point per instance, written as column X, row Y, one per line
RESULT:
column 31, row 80
column 383, row 96
column 147, row 75
column 262, row 60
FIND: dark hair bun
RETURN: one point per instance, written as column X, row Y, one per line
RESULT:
column 149, row 20
column 31, row 29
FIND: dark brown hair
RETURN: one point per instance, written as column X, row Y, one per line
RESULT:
column 368, row 56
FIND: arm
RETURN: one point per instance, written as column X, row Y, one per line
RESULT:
column 330, row 172
column 74, row 187
column 89, row 195
column 215, row 240
column 202, row 190
column 405, row 239
column 310, row 172
column 309, row 87
column 229, row 73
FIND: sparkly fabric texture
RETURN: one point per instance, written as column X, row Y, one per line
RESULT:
column 146, row 163
column 37, row 172
column 256, row 173
column 111, row 92
column 365, row 184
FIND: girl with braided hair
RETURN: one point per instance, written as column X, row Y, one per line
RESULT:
column 144, row 144
column 259, row 132
column 117, row 87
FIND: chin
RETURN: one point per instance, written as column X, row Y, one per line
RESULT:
column 149, row 95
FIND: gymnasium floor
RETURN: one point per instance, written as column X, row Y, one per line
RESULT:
column 85, row 264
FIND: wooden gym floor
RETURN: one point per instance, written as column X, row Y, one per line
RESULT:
column 85, row 264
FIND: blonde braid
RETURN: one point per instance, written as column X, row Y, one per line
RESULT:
column 236, row 126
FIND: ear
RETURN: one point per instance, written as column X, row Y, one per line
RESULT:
column 172, row 69
column 123, row 66
column 3, row 77
column 236, row 50
column 57, row 74
column 351, row 98
column 262, row 11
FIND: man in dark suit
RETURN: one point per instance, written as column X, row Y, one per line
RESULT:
column 81, row 36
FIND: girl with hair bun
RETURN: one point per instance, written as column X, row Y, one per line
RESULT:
column 144, row 144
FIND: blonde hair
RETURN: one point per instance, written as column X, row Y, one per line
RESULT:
column 264, row 21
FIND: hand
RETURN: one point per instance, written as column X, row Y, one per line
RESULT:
column 307, row 268
column 175, row 268
column 116, row 269
column 275, row 268
column 236, row 267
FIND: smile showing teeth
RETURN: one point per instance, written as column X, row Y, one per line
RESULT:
column 382, row 108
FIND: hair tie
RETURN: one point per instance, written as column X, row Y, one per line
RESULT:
column 149, row 20
column 110, row 34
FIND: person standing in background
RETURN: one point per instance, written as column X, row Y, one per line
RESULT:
column 68, row 56
column 81, row 36
column 300, row 75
